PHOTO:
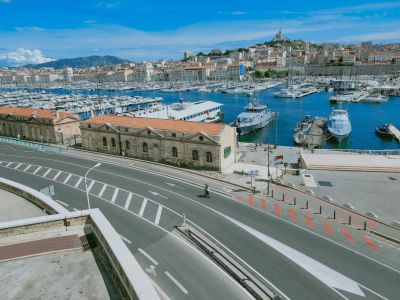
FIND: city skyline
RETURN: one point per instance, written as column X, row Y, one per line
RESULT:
column 140, row 30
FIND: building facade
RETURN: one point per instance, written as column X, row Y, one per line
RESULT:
column 40, row 125
column 181, row 143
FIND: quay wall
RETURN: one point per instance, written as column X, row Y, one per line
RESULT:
column 352, row 70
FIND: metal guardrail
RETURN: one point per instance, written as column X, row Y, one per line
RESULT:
column 372, row 152
column 30, row 144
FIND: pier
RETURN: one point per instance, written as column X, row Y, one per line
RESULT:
column 395, row 132
column 315, row 137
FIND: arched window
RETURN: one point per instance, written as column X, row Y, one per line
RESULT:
column 174, row 152
column 113, row 143
column 209, row 157
column 145, row 149
column 195, row 155
column 104, row 141
column 128, row 145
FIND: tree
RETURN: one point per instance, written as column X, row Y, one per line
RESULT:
column 341, row 59
column 259, row 74
column 200, row 54
column 393, row 61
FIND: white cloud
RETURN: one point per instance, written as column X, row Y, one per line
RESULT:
column 5, row 1
column 25, row 56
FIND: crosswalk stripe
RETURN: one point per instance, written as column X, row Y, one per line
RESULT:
column 47, row 172
column 37, row 170
column 144, row 203
column 102, row 190
column 68, row 177
column 128, row 201
column 158, row 216
column 26, row 169
column 58, row 174
column 115, row 195
column 79, row 181
column 90, row 186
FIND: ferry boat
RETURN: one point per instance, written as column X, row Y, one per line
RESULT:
column 255, row 116
column 199, row 111
column 339, row 125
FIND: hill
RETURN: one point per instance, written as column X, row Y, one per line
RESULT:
column 81, row 62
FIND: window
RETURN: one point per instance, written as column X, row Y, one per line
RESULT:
column 104, row 141
column 201, row 138
column 126, row 130
column 209, row 157
column 113, row 144
column 195, row 155
column 89, row 126
column 174, row 152
column 227, row 151
column 128, row 145
column 148, row 132
column 174, row 135
column 145, row 149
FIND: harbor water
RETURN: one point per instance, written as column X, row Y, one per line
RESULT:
column 364, row 116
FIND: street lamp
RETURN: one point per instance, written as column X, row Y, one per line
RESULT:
column 269, row 173
column 87, row 192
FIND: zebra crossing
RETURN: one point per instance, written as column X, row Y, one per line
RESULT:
column 139, row 205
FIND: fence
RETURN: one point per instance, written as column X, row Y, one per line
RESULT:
column 30, row 144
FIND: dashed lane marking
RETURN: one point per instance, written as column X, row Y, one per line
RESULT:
column 148, row 256
column 102, row 190
column 68, row 177
column 47, row 172
column 37, row 170
column 125, row 239
column 178, row 284
column 144, row 203
column 128, row 201
column 115, row 195
column 79, row 181
column 90, row 185
column 58, row 174
column 158, row 215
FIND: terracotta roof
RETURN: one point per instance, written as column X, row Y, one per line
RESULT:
column 27, row 112
column 162, row 124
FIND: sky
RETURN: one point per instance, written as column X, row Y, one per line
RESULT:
column 39, row 31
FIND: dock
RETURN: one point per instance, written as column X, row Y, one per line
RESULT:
column 303, row 94
column 395, row 132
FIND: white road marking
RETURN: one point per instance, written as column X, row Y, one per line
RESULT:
column 26, row 169
column 115, row 195
column 157, row 194
column 328, row 276
column 178, row 284
column 174, row 185
column 47, row 172
column 148, row 256
column 102, row 190
column 309, row 180
column 79, row 181
column 90, row 186
column 37, row 170
column 68, row 177
column 58, row 174
column 128, row 201
column 143, row 207
column 158, row 215
column 8, row 164
column 62, row 203
column 125, row 239
column 17, row 166
column 75, row 209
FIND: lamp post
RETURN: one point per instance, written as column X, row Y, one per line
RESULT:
column 87, row 192
column 268, row 172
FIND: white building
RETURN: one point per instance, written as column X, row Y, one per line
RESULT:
column 68, row 74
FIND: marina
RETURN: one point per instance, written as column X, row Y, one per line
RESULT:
column 365, row 116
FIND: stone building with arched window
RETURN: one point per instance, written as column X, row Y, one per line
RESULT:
column 191, row 144
column 42, row 125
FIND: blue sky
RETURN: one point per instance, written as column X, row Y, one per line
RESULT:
column 36, row 31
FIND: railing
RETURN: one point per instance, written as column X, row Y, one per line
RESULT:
column 372, row 152
column 30, row 144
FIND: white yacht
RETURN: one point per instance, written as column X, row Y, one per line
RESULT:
column 375, row 98
column 255, row 116
column 339, row 125
column 199, row 111
column 285, row 93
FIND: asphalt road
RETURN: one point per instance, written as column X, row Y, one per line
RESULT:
column 144, row 201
